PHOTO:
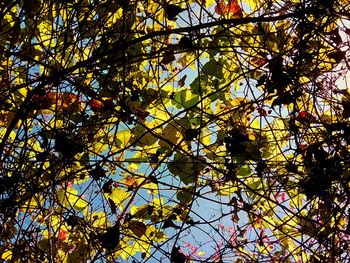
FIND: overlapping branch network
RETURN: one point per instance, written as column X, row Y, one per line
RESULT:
column 211, row 131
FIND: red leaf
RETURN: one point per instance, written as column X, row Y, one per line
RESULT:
column 62, row 235
column 302, row 114
column 305, row 116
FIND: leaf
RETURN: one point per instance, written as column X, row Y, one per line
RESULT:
column 70, row 197
column 97, row 219
column 182, row 166
column 306, row 117
column 113, row 206
column 184, row 195
column 123, row 137
column 97, row 173
column 142, row 136
column 172, row 11
column 35, row 202
column 110, row 238
column 181, row 82
column 338, row 56
column 57, row 101
column 234, row 9
column 7, row 255
column 177, row 256
column 244, row 171
column 119, row 196
column 185, row 98
column 95, row 104
column 168, row 57
column 138, row 228
column 169, row 222
column 169, row 134
column 231, row 8
column 62, row 235
column 144, row 212
column 107, row 186
column 213, row 68
column 155, row 234
column 131, row 182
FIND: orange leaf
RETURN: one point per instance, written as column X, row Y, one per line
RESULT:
column 131, row 182
column 232, row 8
column 6, row 119
column 221, row 8
column 235, row 9
column 64, row 101
column 69, row 102
column 96, row 104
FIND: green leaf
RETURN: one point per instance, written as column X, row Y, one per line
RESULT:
column 185, row 195
column 213, row 68
column 244, row 171
column 185, row 99
column 182, row 166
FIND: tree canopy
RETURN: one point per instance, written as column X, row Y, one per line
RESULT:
column 174, row 131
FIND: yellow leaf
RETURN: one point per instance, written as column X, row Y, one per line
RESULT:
column 119, row 196
column 205, row 137
column 158, row 202
column 114, row 18
column 264, row 248
column 70, row 197
column 123, row 137
column 45, row 33
column 209, row 3
column 152, row 188
column 255, row 124
column 127, row 251
column 143, row 246
column 99, row 219
column 11, row 137
column 154, row 234
column 34, row 202
column 55, row 124
column 7, row 255
column 253, row 5
column 99, row 147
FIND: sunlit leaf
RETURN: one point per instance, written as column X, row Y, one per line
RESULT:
column 119, row 196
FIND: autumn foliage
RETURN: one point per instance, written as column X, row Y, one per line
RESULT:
column 174, row 131
column 231, row 8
